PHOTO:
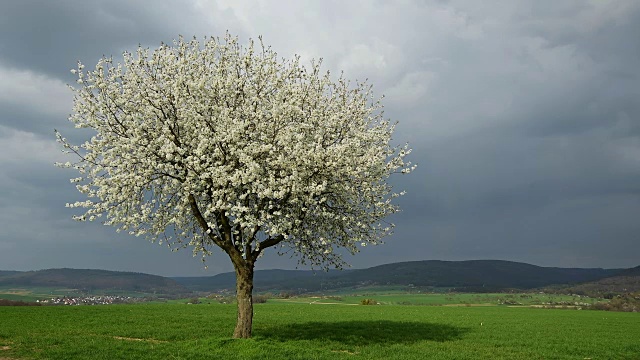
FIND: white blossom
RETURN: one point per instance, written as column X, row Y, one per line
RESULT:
column 212, row 143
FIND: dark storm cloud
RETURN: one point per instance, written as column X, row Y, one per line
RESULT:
column 523, row 116
column 531, row 143
column 51, row 36
column 31, row 120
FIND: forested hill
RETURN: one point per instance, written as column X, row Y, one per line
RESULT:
column 5, row 272
column 473, row 275
column 630, row 272
column 275, row 279
column 89, row 280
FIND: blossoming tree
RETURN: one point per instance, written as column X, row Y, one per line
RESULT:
column 216, row 144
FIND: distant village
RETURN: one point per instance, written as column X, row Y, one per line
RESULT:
column 89, row 300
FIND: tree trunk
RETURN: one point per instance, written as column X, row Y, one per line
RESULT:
column 244, row 289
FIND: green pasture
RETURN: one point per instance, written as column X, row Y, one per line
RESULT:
column 400, row 298
column 34, row 293
column 316, row 331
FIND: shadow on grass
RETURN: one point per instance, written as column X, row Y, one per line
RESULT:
column 363, row 332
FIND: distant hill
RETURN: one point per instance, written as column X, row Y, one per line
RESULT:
column 7, row 272
column 607, row 287
column 472, row 275
column 624, row 282
column 89, row 280
column 264, row 280
column 630, row 272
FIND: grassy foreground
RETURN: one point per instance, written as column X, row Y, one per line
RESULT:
column 313, row 331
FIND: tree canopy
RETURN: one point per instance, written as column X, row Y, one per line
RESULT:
column 217, row 144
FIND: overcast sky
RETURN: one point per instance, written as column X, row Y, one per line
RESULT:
column 524, row 117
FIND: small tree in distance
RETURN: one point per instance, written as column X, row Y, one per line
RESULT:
column 216, row 144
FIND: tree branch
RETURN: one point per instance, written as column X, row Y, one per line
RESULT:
column 272, row 241
column 203, row 223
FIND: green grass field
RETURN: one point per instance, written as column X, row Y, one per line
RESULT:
column 315, row 331
column 403, row 298
column 33, row 293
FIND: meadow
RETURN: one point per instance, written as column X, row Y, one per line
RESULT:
column 33, row 293
column 316, row 331
column 399, row 297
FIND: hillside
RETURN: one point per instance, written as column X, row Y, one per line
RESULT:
column 473, row 275
column 625, row 282
column 91, row 280
column 6, row 272
column 630, row 272
column 264, row 280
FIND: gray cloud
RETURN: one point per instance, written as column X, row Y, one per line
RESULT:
column 50, row 37
column 523, row 116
